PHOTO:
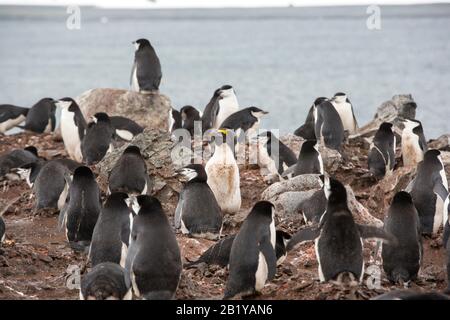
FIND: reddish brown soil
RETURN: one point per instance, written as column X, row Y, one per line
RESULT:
column 35, row 256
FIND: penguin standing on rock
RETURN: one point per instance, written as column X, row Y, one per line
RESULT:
column 146, row 72
column 223, row 104
column 125, row 128
column 41, row 116
column 274, row 162
column 73, row 127
column 329, row 129
column 80, row 213
column 338, row 239
column 129, row 174
column 429, row 191
column 309, row 160
column 98, row 139
column 198, row 212
column 346, row 113
column 402, row 262
column 106, row 281
column 381, row 157
column 153, row 265
column 414, row 144
column 314, row 207
column 252, row 258
column 111, row 235
column 223, row 174
column 11, row 116
column 244, row 120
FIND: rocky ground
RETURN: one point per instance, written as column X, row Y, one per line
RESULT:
column 35, row 257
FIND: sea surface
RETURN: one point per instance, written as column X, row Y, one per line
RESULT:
column 277, row 59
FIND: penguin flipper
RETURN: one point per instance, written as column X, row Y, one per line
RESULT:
column 368, row 232
column 303, row 235
column 440, row 190
column 289, row 171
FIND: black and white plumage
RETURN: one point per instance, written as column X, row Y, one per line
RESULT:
column 309, row 159
column 223, row 104
column 252, row 258
column 110, row 239
column 106, row 281
column 381, row 159
column 314, row 207
column 146, row 72
column 429, row 191
column 198, row 213
column 73, row 127
column 244, row 120
column 50, row 187
column 41, row 116
column 273, row 154
column 345, row 110
column 307, row 130
column 153, row 266
column 329, row 129
column 17, row 158
column 189, row 115
column 219, row 253
column 81, row 211
column 129, row 174
column 414, row 144
column 98, row 139
column 11, row 116
column 401, row 262
column 338, row 239
column 125, row 128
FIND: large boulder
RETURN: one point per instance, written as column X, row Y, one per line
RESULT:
column 400, row 106
column 148, row 110
column 157, row 149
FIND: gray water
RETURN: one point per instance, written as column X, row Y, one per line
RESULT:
column 277, row 59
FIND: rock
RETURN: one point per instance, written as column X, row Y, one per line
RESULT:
column 332, row 159
column 148, row 110
column 293, row 142
column 441, row 143
column 300, row 183
column 360, row 213
column 400, row 106
column 156, row 148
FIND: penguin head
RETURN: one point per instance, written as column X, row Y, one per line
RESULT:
column 100, row 117
column 319, row 101
column 257, row 112
column 263, row 209
column 226, row 91
column 402, row 197
column 411, row 124
column 83, row 172
column 340, row 97
column 32, row 149
column 308, row 146
column 337, row 193
column 132, row 150
column 189, row 112
column 148, row 204
column 141, row 43
column 386, row 127
column 116, row 199
column 432, row 156
column 67, row 103
column 194, row 173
